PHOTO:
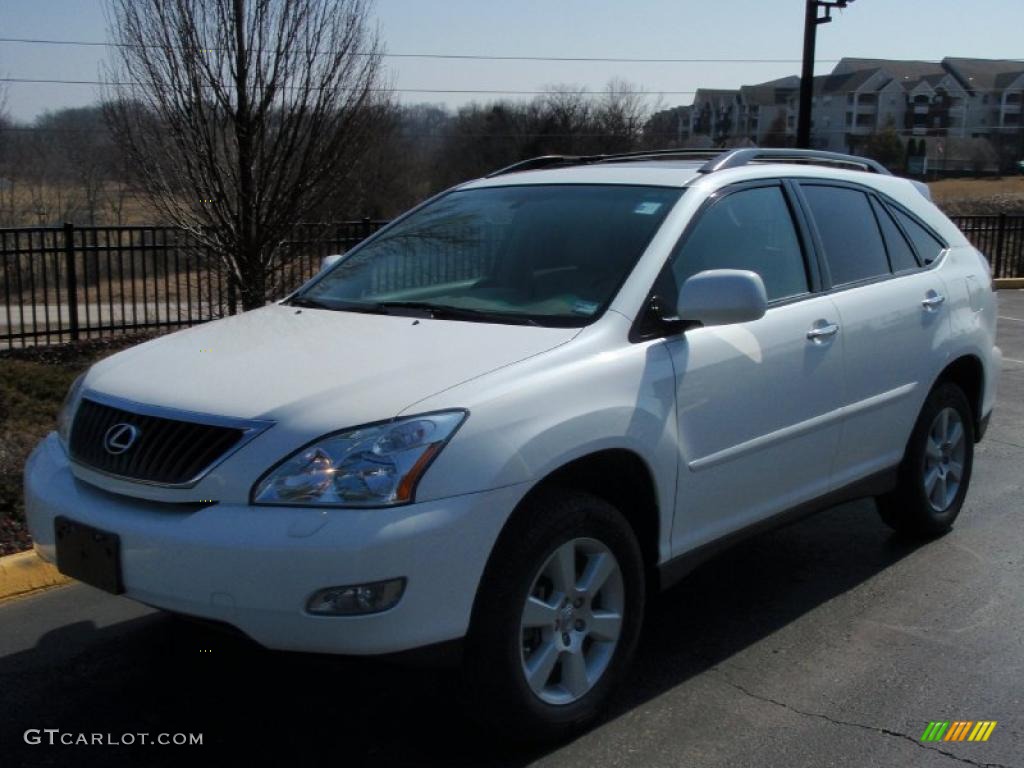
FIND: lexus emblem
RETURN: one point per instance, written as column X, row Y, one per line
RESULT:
column 119, row 438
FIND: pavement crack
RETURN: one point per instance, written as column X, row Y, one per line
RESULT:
column 1005, row 442
column 850, row 724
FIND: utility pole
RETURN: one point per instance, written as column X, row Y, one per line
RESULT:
column 811, row 21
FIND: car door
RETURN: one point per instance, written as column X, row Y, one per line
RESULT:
column 893, row 322
column 756, row 402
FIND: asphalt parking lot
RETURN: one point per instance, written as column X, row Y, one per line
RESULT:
column 828, row 643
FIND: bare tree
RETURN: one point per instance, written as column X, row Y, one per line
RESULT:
column 76, row 144
column 242, row 116
column 621, row 115
column 6, row 184
column 563, row 116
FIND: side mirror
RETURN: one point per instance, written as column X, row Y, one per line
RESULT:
column 329, row 261
column 722, row 297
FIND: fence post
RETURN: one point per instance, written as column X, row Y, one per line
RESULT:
column 232, row 295
column 71, row 277
column 367, row 228
column 997, row 257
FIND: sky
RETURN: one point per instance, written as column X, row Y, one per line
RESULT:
column 687, row 29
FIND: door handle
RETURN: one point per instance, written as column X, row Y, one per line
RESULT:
column 821, row 332
column 933, row 300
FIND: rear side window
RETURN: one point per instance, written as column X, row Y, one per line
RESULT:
column 749, row 229
column 928, row 248
column 849, row 233
column 901, row 255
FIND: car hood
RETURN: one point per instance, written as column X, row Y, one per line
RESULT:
column 283, row 363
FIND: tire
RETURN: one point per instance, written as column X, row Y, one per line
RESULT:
column 567, row 693
column 936, row 469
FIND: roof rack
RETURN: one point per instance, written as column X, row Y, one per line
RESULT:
column 547, row 161
column 718, row 159
column 736, row 158
column 536, row 163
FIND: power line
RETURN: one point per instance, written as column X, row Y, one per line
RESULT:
column 543, row 135
column 458, row 56
column 485, row 91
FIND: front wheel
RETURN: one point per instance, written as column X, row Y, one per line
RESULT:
column 557, row 616
column 936, row 470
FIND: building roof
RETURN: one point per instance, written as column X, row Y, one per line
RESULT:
column 984, row 74
column 764, row 94
column 850, row 73
column 899, row 68
column 716, row 93
column 845, row 82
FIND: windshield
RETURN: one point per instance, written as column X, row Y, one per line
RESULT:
column 551, row 255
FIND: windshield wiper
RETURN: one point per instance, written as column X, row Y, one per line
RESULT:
column 369, row 307
column 435, row 311
column 448, row 312
column 305, row 301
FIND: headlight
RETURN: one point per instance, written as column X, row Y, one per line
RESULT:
column 66, row 416
column 374, row 466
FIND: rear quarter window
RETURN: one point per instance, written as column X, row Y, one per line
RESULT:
column 928, row 247
column 901, row 254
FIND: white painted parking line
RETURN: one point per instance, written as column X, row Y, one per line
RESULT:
column 1011, row 360
column 1015, row 319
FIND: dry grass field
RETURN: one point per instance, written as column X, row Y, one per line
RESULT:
column 977, row 196
column 959, row 189
column 32, row 205
column 49, row 205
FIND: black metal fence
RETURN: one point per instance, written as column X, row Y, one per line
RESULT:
column 1000, row 237
column 65, row 283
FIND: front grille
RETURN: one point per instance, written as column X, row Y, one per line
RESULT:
column 165, row 451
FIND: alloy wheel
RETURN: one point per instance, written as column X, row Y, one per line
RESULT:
column 944, row 451
column 571, row 621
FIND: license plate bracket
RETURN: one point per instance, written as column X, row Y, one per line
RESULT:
column 88, row 554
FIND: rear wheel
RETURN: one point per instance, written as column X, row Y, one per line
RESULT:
column 557, row 617
column 936, row 470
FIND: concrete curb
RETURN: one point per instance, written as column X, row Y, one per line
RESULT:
column 26, row 572
column 1009, row 282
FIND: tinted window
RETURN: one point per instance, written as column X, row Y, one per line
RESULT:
column 901, row 255
column 928, row 248
column 750, row 229
column 553, row 253
column 849, row 233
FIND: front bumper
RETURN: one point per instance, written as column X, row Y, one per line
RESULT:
column 255, row 567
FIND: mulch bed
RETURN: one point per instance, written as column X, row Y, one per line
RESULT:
column 35, row 382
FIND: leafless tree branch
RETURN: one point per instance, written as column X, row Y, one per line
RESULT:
column 237, row 129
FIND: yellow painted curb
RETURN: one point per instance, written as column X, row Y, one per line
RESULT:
column 1009, row 282
column 26, row 572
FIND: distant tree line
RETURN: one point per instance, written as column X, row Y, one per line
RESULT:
column 67, row 166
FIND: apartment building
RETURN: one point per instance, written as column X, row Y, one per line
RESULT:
column 956, row 98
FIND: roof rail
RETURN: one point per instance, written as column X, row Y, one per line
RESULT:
column 536, row 163
column 688, row 153
column 547, row 161
column 718, row 159
column 736, row 158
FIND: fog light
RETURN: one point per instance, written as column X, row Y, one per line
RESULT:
column 357, row 599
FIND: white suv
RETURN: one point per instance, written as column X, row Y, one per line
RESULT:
column 527, row 404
